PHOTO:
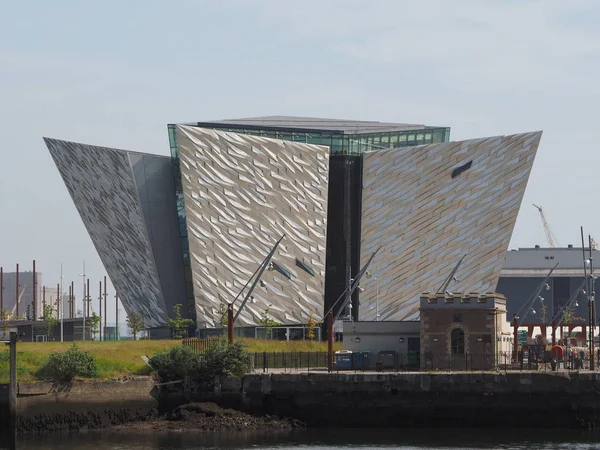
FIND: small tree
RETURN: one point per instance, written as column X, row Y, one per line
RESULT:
column 136, row 323
column 543, row 313
column 4, row 317
column 310, row 327
column 49, row 318
column 64, row 366
column 178, row 324
column 268, row 323
column 95, row 323
column 224, row 359
column 223, row 318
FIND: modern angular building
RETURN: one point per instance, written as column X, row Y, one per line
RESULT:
column 193, row 228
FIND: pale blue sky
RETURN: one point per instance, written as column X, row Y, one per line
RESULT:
column 114, row 73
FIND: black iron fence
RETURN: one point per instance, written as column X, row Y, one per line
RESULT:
column 199, row 345
column 288, row 361
column 529, row 358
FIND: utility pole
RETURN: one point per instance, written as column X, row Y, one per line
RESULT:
column 57, row 304
column 12, row 388
column 72, row 311
column 230, row 323
column 592, row 305
column 117, row 315
column 17, row 296
column 105, row 315
column 43, row 298
column 100, row 311
column 61, row 308
column 89, row 298
column 1, row 288
column 330, row 340
column 34, row 292
column 83, row 302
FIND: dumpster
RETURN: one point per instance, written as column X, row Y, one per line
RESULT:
column 386, row 359
column 414, row 360
column 360, row 360
column 343, row 359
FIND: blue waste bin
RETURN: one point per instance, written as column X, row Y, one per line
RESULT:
column 360, row 360
column 343, row 360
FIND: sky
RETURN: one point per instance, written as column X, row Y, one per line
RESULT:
column 115, row 73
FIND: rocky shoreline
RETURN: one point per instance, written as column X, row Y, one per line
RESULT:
column 211, row 417
column 192, row 416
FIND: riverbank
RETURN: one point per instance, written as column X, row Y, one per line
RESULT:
column 123, row 358
column 370, row 400
column 211, row 417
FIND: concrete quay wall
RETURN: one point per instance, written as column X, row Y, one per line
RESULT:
column 45, row 406
column 424, row 400
column 336, row 399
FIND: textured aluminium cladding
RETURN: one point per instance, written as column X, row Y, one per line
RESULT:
column 241, row 194
column 426, row 220
column 339, row 126
column 102, row 185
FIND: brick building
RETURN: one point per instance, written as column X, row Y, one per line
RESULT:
column 463, row 331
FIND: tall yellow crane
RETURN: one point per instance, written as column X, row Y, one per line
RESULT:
column 550, row 237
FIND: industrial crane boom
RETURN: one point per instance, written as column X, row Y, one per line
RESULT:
column 552, row 241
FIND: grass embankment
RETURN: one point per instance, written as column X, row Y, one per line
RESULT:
column 122, row 358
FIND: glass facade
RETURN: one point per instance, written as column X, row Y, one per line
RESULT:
column 347, row 144
column 183, row 237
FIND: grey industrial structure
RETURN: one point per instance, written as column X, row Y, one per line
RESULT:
column 523, row 271
column 192, row 228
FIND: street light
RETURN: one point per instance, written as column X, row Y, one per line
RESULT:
column 82, row 275
column 376, row 278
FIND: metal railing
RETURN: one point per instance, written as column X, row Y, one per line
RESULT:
column 199, row 345
column 530, row 358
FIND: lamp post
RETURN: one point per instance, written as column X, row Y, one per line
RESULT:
column 83, row 302
column 61, row 312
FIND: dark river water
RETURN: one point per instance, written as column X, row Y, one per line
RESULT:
column 424, row 439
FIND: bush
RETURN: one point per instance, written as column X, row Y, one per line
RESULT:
column 175, row 363
column 225, row 359
column 64, row 366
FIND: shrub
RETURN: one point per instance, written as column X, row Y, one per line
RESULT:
column 175, row 363
column 224, row 359
column 64, row 366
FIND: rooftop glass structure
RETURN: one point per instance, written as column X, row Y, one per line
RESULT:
column 343, row 137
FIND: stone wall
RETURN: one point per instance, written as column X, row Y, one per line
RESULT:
column 44, row 406
column 428, row 400
column 333, row 400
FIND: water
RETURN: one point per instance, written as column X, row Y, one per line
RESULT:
column 425, row 439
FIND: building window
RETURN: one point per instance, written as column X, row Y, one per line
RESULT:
column 456, row 172
column 282, row 270
column 457, row 342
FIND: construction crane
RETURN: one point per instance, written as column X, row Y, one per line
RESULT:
column 552, row 241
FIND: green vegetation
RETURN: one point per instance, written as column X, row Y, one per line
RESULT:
column 95, row 324
column 178, row 324
column 136, row 323
column 225, row 359
column 64, row 366
column 122, row 358
column 175, row 363
column 268, row 323
column 221, row 359
column 49, row 318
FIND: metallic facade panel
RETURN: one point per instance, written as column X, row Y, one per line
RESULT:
column 426, row 220
column 241, row 194
column 103, row 188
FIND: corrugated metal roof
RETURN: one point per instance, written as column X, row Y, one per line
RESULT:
column 546, row 258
